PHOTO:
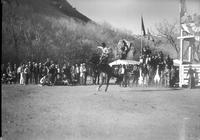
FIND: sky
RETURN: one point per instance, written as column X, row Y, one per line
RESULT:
column 126, row 14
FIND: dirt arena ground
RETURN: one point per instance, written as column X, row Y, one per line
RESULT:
column 81, row 113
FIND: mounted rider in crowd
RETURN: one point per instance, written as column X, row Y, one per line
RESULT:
column 124, row 48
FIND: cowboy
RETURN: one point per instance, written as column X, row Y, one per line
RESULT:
column 105, row 53
column 125, row 47
column 191, row 78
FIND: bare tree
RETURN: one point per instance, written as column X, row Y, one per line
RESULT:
column 170, row 32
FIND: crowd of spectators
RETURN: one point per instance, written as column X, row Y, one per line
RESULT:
column 152, row 70
column 47, row 73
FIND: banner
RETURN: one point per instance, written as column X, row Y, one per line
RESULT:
column 191, row 29
column 182, row 11
column 150, row 36
column 142, row 27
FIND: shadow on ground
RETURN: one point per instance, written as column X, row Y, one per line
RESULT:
column 154, row 89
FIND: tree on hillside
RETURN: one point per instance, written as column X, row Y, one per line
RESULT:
column 32, row 36
column 11, row 29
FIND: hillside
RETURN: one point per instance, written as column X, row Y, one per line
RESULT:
column 57, row 8
column 67, row 9
column 37, row 29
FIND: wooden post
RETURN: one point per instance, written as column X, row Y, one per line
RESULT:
column 181, row 47
column 141, row 44
column 189, row 54
column 181, row 60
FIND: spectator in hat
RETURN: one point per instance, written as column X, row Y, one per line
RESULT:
column 22, row 75
column 73, row 75
column 82, row 74
column 40, row 67
column 9, row 68
column 77, row 73
column 30, row 74
column 26, row 74
column 52, row 74
column 191, row 79
column 47, row 63
column 36, row 73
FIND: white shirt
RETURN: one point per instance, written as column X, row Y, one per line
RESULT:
column 82, row 70
column 104, row 50
column 42, row 80
column 141, row 60
column 19, row 69
column 123, row 70
column 77, row 70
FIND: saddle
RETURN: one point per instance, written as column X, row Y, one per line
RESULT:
column 103, row 60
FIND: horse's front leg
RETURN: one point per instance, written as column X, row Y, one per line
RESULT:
column 98, row 79
column 94, row 80
column 100, row 85
column 107, row 83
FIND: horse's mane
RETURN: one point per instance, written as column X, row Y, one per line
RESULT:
column 94, row 61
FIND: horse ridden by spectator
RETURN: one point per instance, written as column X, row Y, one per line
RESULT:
column 123, row 48
column 140, row 79
column 157, row 76
column 145, row 74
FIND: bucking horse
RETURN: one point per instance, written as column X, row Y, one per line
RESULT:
column 103, row 69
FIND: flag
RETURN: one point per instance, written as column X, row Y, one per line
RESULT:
column 150, row 36
column 182, row 10
column 143, row 29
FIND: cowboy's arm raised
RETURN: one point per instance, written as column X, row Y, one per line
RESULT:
column 99, row 47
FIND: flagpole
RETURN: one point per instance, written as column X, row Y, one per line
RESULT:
column 141, row 35
column 148, row 37
column 142, row 32
column 141, row 42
